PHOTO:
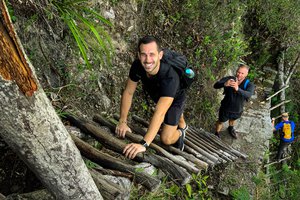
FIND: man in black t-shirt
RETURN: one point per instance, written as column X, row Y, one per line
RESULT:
column 162, row 83
column 235, row 95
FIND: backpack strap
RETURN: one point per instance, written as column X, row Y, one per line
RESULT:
column 246, row 84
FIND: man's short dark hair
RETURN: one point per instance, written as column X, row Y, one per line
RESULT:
column 148, row 39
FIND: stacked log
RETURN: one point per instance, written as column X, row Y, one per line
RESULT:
column 202, row 150
column 205, row 146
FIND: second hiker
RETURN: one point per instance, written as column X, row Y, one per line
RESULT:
column 237, row 89
column 287, row 128
column 162, row 83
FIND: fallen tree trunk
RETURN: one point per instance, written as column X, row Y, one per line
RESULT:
column 43, row 194
column 32, row 128
column 179, row 175
column 109, row 190
column 108, row 161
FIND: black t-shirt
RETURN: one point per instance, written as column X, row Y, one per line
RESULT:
column 165, row 83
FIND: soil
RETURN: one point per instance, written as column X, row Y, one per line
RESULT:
column 15, row 176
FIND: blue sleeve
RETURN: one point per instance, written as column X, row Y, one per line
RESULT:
column 278, row 126
column 293, row 126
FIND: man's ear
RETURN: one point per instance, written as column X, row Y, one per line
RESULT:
column 161, row 53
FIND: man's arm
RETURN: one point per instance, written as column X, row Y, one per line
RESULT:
column 162, row 106
column 248, row 92
column 126, row 102
column 161, row 109
column 224, row 82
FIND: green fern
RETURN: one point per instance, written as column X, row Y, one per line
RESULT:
column 81, row 22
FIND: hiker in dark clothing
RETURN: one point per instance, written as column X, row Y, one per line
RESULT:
column 162, row 83
column 237, row 89
column 286, row 129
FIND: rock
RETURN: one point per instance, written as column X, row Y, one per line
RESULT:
column 109, row 14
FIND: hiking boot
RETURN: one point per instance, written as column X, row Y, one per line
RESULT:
column 218, row 135
column 180, row 142
column 232, row 132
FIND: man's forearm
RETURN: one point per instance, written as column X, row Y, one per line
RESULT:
column 125, row 107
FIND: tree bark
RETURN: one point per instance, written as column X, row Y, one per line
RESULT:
column 30, row 126
column 281, row 81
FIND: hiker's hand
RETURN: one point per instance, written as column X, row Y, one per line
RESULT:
column 121, row 129
column 273, row 119
column 132, row 149
column 234, row 85
column 229, row 83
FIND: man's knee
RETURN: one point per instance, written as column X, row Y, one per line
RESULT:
column 218, row 123
column 169, row 135
column 166, row 139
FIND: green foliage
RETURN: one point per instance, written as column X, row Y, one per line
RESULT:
column 114, row 2
column 90, row 164
column 221, row 39
column 84, row 24
column 241, row 194
column 11, row 11
column 196, row 189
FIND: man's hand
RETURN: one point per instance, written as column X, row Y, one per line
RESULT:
column 121, row 129
column 232, row 83
column 132, row 149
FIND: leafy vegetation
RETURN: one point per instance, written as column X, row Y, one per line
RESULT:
column 196, row 189
column 83, row 22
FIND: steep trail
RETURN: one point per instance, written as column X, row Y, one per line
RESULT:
column 254, row 131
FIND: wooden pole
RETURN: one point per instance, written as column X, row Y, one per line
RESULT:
column 285, row 87
column 283, row 102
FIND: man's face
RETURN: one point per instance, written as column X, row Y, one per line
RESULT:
column 150, row 57
column 241, row 74
column 285, row 118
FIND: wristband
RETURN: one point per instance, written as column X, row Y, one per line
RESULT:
column 144, row 143
column 122, row 121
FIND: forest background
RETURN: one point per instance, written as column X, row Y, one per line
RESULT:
column 82, row 58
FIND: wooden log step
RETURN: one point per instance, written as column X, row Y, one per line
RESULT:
column 176, row 173
column 105, row 160
column 137, row 138
column 156, row 144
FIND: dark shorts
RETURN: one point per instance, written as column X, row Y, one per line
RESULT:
column 225, row 115
column 173, row 114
